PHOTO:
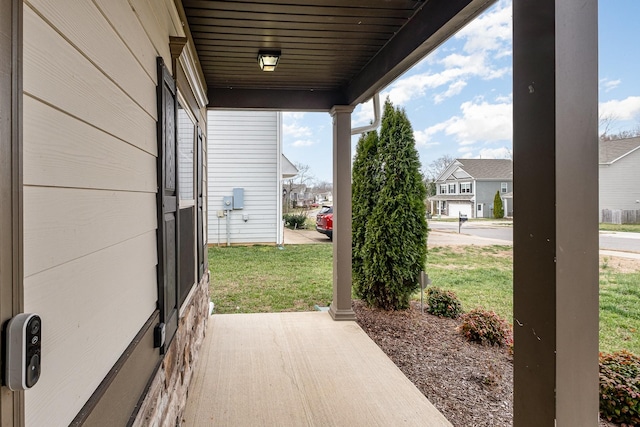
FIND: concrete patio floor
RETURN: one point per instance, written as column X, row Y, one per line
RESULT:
column 299, row 369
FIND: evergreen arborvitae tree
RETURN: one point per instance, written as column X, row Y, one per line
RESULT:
column 365, row 189
column 395, row 247
column 498, row 209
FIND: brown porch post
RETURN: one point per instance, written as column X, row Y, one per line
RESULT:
column 11, row 235
column 341, row 306
column 555, row 111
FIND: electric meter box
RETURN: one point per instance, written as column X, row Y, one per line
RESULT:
column 238, row 198
column 227, row 203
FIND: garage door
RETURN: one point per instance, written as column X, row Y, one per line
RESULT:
column 460, row 208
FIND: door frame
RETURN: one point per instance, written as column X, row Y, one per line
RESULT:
column 11, row 208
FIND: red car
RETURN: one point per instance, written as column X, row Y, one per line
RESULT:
column 324, row 221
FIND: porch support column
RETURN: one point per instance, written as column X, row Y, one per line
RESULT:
column 555, row 146
column 341, row 306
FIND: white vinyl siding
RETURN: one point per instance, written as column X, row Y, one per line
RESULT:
column 90, row 152
column 243, row 153
column 618, row 182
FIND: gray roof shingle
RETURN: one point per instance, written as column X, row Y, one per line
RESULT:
column 609, row 151
column 488, row 168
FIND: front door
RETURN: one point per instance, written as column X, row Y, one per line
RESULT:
column 480, row 213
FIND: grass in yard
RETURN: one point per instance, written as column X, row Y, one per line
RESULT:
column 260, row 279
column 480, row 276
column 633, row 228
column 266, row 279
column 619, row 310
column 483, row 277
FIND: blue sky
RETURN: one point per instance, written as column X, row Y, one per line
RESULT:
column 459, row 98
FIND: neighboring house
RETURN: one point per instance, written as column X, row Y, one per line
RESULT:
column 325, row 197
column 468, row 187
column 619, row 168
column 245, row 152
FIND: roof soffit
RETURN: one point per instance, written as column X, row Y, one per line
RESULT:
column 333, row 53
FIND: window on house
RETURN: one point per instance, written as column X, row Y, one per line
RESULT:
column 465, row 187
column 503, row 187
column 443, row 188
column 452, row 188
column 186, row 161
column 186, row 132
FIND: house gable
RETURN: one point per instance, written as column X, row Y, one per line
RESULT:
column 612, row 151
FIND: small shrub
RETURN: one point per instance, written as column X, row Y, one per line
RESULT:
column 486, row 327
column 443, row 303
column 620, row 387
column 295, row 221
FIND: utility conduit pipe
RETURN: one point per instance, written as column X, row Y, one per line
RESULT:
column 376, row 117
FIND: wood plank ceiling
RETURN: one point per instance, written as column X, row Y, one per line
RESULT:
column 332, row 51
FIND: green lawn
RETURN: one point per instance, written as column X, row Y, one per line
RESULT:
column 633, row 228
column 260, row 279
column 480, row 276
column 265, row 279
column 483, row 277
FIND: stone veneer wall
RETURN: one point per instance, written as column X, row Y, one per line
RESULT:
column 167, row 396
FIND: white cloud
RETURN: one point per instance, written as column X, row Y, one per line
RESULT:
column 495, row 153
column 295, row 130
column 486, row 39
column 608, row 85
column 489, row 32
column 303, row 143
column 293, row 115
column 479, row 121
column 423, row 137
column 623, row 109
column 454, row 89
column 363, row 115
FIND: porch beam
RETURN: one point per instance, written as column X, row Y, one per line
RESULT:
column 340, row 308
column 555, row 146
column 275, row 99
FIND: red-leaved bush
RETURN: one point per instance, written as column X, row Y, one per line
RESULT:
column 486, row 327
column 620, row 388
column 443, row 303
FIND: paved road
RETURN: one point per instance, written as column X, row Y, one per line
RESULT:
column 616, row 241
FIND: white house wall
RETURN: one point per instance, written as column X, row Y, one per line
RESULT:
column 619, row 184
column 89, row 187
column 243, row 154
column 485, row 192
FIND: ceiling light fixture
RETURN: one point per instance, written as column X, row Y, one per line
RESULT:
column 268, row 59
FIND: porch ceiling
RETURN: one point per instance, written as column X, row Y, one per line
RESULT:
column 333, row 52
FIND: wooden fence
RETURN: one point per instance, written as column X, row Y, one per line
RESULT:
column 618, row 216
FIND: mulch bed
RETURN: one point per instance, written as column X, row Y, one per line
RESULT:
column 470, row 384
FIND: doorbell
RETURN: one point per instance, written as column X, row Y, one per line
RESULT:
column 23, row 351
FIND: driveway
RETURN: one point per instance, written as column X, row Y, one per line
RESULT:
column 436, row 238
column 446, row 234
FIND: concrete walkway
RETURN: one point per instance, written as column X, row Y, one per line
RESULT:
column 299, row 369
